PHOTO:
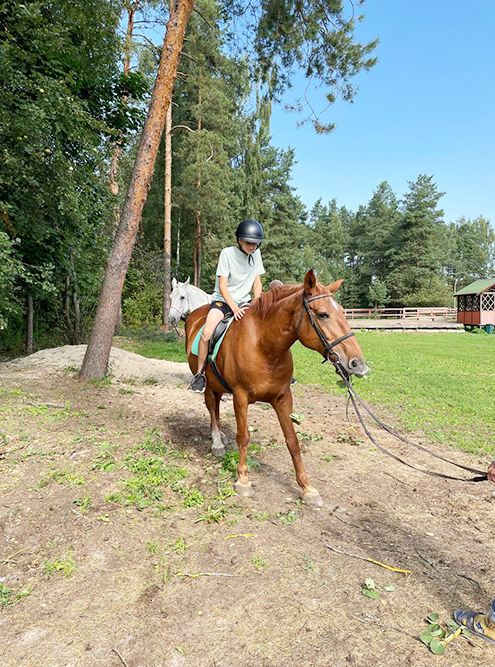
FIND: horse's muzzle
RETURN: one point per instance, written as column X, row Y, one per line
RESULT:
column 357, row 366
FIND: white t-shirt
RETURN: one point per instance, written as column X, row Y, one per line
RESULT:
column 234, row 265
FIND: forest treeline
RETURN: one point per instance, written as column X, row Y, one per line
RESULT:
column 76, row 77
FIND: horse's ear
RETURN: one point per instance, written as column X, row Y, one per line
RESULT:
column 309, row 281
column 187, row 281
column 174, row 283
column 335, row 286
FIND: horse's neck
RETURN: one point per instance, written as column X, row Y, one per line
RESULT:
column 280, row 324
column 197, row 297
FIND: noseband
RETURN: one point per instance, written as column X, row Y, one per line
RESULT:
column 182, row 315
column 330, row 353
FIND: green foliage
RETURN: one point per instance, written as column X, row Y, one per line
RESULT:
column 150, row 474
column 369, row 590
column 11, row 272
column 417, row 275
column 61, row 104
column 474, row 253
column 319, row 40
column 230, row 461
column 8, row 598
column 438, row 633
column 66, row 565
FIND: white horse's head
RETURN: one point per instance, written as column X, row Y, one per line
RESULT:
column 179, row 302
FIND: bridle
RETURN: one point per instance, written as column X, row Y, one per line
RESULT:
column 330, row 354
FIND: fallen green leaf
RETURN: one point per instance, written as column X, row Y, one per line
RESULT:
column 297, row 419
column 437, row 647
column 374, row 595
column 426, row 637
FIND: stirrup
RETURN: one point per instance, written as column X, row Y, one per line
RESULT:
column 198, row 383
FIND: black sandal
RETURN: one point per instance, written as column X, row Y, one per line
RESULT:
column 479, row 624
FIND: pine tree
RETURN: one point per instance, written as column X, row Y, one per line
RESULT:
column 474, row 249
column 417, row 277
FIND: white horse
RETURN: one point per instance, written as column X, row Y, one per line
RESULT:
column 184, row 299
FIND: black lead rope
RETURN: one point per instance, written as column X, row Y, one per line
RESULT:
column 480, row 476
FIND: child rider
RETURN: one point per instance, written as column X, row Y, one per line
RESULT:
column 238, row 272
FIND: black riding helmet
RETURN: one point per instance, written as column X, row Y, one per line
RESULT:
column 250, row 230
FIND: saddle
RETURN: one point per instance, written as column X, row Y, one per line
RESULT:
column 214, row 347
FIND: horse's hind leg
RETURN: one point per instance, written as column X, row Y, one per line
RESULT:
column 283, row 408
column 212, row 400
column 243, row 485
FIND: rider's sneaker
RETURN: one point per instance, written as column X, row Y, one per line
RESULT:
column 198, row 383
column 479, row 624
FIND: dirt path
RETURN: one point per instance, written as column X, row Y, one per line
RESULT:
column 109, row 500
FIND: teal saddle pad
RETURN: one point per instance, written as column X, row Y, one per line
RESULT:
column 195, row 345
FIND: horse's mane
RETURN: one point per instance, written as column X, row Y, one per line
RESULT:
column 266, row 300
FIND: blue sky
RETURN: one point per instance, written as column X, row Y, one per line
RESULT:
column 426, row 107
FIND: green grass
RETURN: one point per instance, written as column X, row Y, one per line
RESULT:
column 174, row 350
column 440, row 383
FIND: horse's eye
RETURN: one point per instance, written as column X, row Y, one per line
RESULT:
column 322, row 316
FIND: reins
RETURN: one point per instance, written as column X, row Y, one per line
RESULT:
column 354, row 397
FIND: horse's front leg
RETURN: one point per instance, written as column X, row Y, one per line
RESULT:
column 243, row 485
column 283, row 407
column 218, row 398
column 212, row 400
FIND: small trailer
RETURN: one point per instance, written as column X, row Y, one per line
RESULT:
column 476, row 304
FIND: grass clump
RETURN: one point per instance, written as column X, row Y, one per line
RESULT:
column 230, row 461
column 150, row 476
column 8, row 598
column 65, row 565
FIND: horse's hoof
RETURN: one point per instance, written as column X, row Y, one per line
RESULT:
column 244, row 490
column 312, row 498
column 225, row 440
column 218, row 451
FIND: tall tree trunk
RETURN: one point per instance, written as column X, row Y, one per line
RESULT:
column 68, row 319
column 100, row 342
column 177, row 250
column 167, row 218
column 197, row 214
column 29, row 325
column 76, row 334
column 197, row 246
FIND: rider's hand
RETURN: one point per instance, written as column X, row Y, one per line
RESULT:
column 491, row 472
column 239, row 313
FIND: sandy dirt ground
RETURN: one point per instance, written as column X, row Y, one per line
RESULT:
column 121, row 544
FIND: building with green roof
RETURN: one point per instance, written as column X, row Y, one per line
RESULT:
column 476, row 304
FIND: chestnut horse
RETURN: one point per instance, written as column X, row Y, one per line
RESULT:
column 256, row 362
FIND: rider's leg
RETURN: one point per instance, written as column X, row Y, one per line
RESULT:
column 214, row 317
